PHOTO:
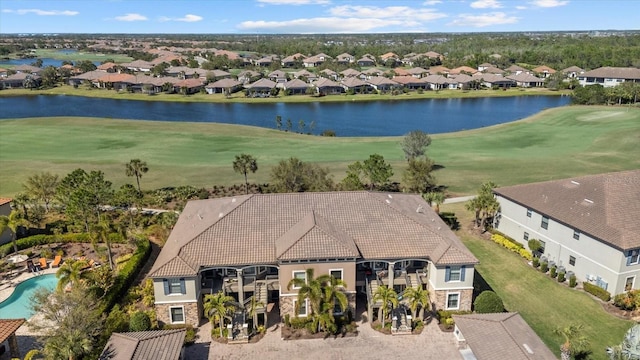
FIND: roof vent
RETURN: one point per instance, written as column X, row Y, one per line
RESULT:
column 200, row 217
column 419, row 209
column 388, row 201
column 526, row 347
column 390, row 197
column 233, row 200
column 588, row 201
column 221, row 215
column 574, row 183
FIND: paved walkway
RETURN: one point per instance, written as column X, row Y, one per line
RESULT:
column 369, row 344
column 458, row 199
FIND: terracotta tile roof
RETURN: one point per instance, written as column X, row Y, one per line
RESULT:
column 465, row 69
column 5, row 201
column 106, row 66
column 144, row 345
column 350, row 72
column 262, row 229
column 189, row 83
column 125, row 78
column 352, row 82
column 544, row 68
column 262, row 83
column 405, row 80
column 381, row 80
column 501, row 336
column 438, row 70
column 573, row 69
column 224, row 83
column 8, row 327
column 605, row 206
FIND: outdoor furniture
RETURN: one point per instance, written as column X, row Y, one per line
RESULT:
column 43, row 263
column 56, row 261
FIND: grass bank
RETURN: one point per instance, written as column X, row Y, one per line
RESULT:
column 553, row 144
column 542, row 302
column 240, row 98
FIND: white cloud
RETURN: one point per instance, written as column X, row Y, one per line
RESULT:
column 431, row 2
column 520, row 7
column 190, row 18
column 318, row 25
column 131, row 17
column 399, row 13
column 42, row 12
column 549, row 3
column 295, row 2
column 483, row 20
column 486, row 4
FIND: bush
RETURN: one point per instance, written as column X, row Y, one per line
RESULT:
column 488, row 302
column 140, row 321
column 190, row 336
column 299, row 322
column 561, row 277
column 544, row 267
column 573, row 281
column 597, row 291
column 511, row 244
column 449, row 323
column 35, row 240
column 553, row 272
column 534, row 245
column 535, row 262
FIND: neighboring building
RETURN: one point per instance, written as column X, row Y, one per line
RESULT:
column 589, row 225
column 145, row 345
column 609, row 76
column 8, row 338
column 5, row 210
column 499, row 336
column 253, row 245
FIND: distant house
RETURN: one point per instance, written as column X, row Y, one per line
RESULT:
column 316, row 60
column 484, row 66
column 17, row 80
column 291, row 60
column 27, row 69
column 108, row 67
column 463, row 70
column 572, row 72
column 526, row 80
column 145, row 345
column 261, row 87
column 382, row 83
column 216, row 74
column 517, row 70
column 351, row 73
column 228, row 86
column 88, row 77
column 188, row 86
column 264, row 62
column 609, row 76
column 390, row 57
column 345, row 59
column 278, row 76
column 116, row 81
column 438, row 70
column 411, row 83
column 138, row 65
column 492, row 80
column 499, row 336
column 328, row 87
column 5, row 210
column 439, row 82
column 587, row 225
column 493, row 70
column 544, row 71
column 296, row 87
column 305, row 74
column 373, row 72
column 356, row 85
column 366, row 61
column 248, row 76
column 418, row 72
column 329, row 74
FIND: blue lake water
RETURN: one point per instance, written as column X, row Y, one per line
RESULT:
column 45, row 61
column 18, row 305
column 373, row 118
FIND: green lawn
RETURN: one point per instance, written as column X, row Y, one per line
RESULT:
column 542, row 302
column 80, row 56
column 554, row 144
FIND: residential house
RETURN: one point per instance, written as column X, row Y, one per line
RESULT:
column 292, row 60
column 411, row 83
column 278, row 76
column 400, row 72
column 434, row 55
column 4, row 72
column 327, row 87
column 439, row 82
column 305, row 74
column 572, row 72
column 213, row 75
column 345, row 59
column 88, row 77
column 517, row 70
column 261, row 88
column 108, row 67
column 8, row 338
column 463, row 70
column 351, row 73
column 296, row 87
column 526, row 80
column 138, row 65
column 356, row 85
column 609, row 76
column 369, row 73
column 145, row 345
column 417, row 72
column 493, row 70
column 265, row 61
column 18, row 80
column 329, row 74
column 366, row 61
column 390, row 59
column 5, row 210
column 482, row 67
column 315, row 60
column 253, row 245
column 27, row 69
column 438, row 70
column 382, row 83
column 498, row 336
column 497, row 81
column 587, row 225
column 188, row 86
column 543, row 71
column 224, row 86
column 116, row 81
column 185, row 72
column 248, row 76
column 462, row 81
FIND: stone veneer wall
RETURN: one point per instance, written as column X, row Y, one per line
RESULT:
column 439, row 299
column 192, row 313
column 286, row 304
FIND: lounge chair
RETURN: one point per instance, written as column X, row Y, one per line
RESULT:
column 43, row 263
column 56, row 261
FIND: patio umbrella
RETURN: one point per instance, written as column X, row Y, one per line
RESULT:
column 17, row 258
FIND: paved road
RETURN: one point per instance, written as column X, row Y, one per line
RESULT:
column 458, row 199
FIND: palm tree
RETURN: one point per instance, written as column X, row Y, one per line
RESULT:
column 217, row 306
column 389, row 299
column 12, row 221
column 334, row 293
column 434, row 197
column 417, row 297
column 243, row 164
column 72, row 345
column 70, row 273
column 254, row 304
column 574, row 341
column 310, row 289
column 325, row 319
column 100, row 233
column 136, row 167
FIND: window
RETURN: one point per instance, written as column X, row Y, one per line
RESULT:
column 299, row 275
column 628, row 284
column 177, row 315
column 632, row 257
column 542, row 245
column 528, row 212
column 302, row 312
column 526, row 236
column 572, row 260
column 545, row 222
column 576, row 234
column 453, row 301
column 174, row 286
column 336, row 273
column 454, row 273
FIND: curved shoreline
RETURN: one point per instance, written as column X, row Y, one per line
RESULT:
column 7, row 289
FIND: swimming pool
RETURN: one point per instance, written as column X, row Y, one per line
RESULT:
column 18, row 305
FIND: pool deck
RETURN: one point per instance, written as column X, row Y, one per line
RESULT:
column 8, row 285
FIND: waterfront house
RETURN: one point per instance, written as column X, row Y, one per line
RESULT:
column 328, row 87
column 588, row 225
column 228, row 86
column 609, row 76
column 253, row 245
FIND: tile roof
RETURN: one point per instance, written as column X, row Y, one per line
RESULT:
column 224, row 83
column 145, row 345
column 605, row 206
column 296, row 84
column 8, row 327
column 5, row 201
column 262, row 229
column 324, row 82
column 501, row 336
column 262, row 83
column 614, row 72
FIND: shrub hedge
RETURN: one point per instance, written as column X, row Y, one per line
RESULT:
column 488, row 302
column 512, row 245
column 597, row 291
column 35, row 240
column 628, row 300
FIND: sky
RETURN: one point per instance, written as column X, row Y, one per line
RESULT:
column 314, row 16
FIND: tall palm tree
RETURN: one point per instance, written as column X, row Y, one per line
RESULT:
column 217, row 307
column 418, row 298
column 70, row 273
column 243, row 164
column 434, row 197
column 310, row 289
column 12, row 221
column 254, row 305
column 136, row 167
column 574, row 341
column 100, row 233
column 334, row 294
column 389, row 299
